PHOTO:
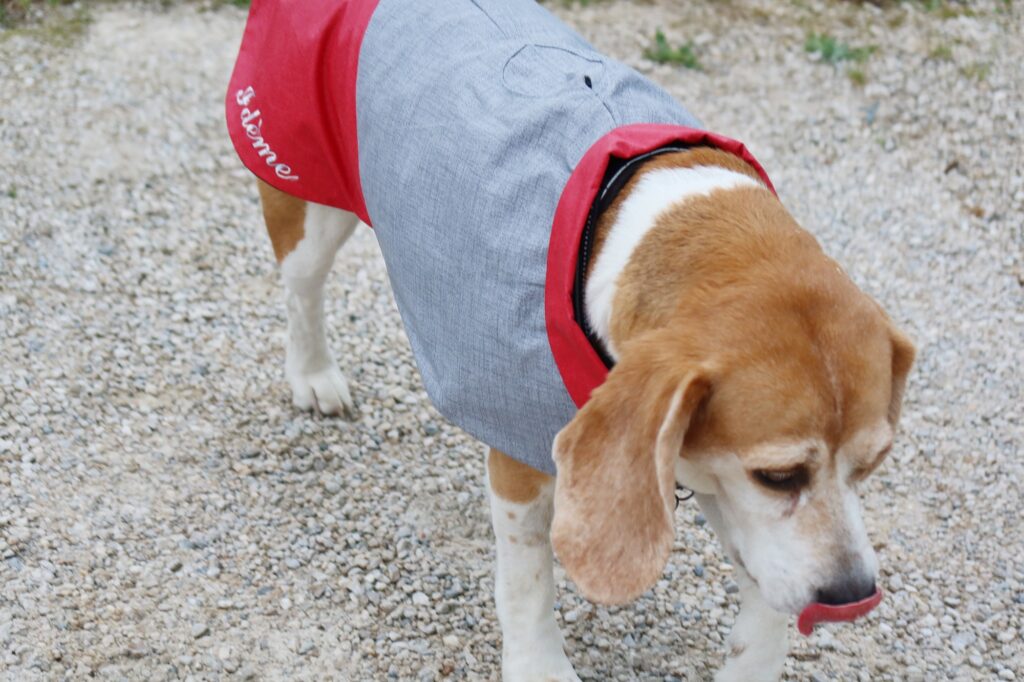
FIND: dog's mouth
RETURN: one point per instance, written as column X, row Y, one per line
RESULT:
column 818, row 612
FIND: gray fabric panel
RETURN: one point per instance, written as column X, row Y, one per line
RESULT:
column 471, row 117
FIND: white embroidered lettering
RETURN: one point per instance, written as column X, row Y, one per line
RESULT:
column 284, row 171
column 244, row 96
column 252, row 124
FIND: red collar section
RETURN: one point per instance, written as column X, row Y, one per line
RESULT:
column 579, row 364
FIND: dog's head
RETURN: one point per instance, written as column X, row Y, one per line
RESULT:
column 777, row 404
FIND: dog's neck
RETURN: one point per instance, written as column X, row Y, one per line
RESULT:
column 660, row 189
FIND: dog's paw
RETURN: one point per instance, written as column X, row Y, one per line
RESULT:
column 750, row 669
column 753, row 659
column 325, row 391
column 546, row 662
column 536, row 675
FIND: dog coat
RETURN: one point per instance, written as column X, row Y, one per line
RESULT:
column 474, row 136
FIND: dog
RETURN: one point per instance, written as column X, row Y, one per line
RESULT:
column 611, row 298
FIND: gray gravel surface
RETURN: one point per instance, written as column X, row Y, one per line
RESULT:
column 166, row 514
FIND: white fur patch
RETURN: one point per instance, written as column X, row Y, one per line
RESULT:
column 524, row 586
column 793, row 545
column 312, row 373
column 655, row 193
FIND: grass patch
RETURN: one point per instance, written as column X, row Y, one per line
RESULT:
column 941, row 53
column 53, row 21
column 946, row 9
column 978, row 71
column 663, row 53
column 834, row 51
column 16, row 12
column 857, row 76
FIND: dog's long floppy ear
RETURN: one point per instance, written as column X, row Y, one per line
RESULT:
column 615, row 491
column 903, row 353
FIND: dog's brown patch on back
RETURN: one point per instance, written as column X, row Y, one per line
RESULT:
column 513, row 481
column 285, row 217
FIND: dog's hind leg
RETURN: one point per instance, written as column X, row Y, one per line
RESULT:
column 305, row 237
column 524, row 584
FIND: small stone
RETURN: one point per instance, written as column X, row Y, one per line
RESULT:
column 698, row 570
column 137, row 650
column 200, row 630
column 1007, row 636
column 731, row 587
column 961, row 640
column 292, row 562
column 420, row 599
column 450, row 641
column 305, row 646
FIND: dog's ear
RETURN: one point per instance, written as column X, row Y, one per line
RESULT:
column 903, row 353
column 615, row 491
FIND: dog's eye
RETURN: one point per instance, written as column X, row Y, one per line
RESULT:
column 782, row 479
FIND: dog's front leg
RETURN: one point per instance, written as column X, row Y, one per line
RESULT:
column 524, row 585
column 758, row 642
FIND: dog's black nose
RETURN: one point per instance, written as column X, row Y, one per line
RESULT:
column 845, row 592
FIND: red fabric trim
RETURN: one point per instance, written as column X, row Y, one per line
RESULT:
column 301, row 61
column 581, row 368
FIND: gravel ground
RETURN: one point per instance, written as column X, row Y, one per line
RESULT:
column 165, row 514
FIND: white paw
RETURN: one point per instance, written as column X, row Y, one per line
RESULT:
column 753, row 661
column 325, row 391
column 750, row 669
column 543, row 664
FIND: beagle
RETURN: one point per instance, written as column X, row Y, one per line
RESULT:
column 611, row 298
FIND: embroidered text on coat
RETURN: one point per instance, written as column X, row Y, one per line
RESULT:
column 252, row 122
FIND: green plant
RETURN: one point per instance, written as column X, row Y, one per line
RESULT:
column 833, row 51
column 663, row 53
column 947, row 9
column 15, row 12
column 857, row 76
column 977, row 71
column 941, row 53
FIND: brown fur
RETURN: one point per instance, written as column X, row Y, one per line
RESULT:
column 285, row 217
column 730, row 301
column 614, row 494
column 512, row 480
